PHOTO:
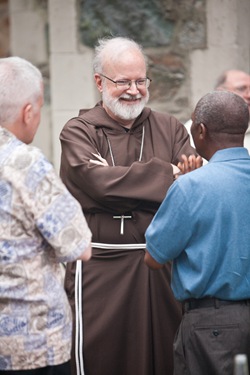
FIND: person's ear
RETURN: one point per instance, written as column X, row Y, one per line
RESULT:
column 99, row 82
column 202, row 131
column 27, row 113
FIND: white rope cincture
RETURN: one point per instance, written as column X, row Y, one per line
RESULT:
column 78, row 319
column 118, row 246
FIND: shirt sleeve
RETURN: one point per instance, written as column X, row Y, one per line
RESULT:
column 57, row 215
column 170, row 230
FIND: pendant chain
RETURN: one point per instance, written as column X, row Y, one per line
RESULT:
column 141, row 149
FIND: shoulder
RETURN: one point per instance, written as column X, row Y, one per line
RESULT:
column 85, row 121
column 165, row 119
column 24, row 156
column 39, row 165
column 167, row 124
column 26, row 171
column 191, row 182
column 27, row 163
column 161, row 115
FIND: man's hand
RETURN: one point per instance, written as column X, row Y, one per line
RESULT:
column 151, row 262
column 99, row 161
column 87, row 254
column 190, row 163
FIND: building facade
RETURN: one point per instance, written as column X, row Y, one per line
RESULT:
column 188, row 44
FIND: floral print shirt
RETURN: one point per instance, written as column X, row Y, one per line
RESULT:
column 41, row 225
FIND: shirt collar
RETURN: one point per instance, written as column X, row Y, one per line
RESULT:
column 230, row 153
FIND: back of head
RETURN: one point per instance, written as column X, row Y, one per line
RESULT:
column 20, row 84
column 222, row 112
column 111, row 49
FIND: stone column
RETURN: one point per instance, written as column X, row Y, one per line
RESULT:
column 28, row 30
column 228, row 45
column 72, row 83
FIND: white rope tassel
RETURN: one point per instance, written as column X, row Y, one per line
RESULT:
column 78, row 319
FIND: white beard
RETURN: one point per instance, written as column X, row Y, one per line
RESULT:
column 122, row 110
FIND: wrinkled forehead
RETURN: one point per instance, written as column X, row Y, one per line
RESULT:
column 235, row 79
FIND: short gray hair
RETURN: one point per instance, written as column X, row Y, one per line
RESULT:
column 222, row 112
column 20, row 84
column 111, row 48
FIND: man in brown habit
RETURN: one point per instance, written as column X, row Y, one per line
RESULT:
column 119, row 159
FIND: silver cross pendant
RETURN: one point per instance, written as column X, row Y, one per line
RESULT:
column 122, row 217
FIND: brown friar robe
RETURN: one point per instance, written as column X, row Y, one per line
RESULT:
column 129, row 313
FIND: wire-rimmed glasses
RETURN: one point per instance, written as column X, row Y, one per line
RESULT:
column 127, row 83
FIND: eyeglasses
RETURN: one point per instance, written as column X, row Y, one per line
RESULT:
column 127, row 83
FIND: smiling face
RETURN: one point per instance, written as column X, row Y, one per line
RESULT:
column 124, row 104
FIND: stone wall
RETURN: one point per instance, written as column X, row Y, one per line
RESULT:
column 4, row 29
column 188, row 44
column 27, row 30
column 168, row 30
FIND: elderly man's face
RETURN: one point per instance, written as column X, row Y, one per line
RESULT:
column 125, row 102
column 239, row 83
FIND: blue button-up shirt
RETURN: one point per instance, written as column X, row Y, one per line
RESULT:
column 203, row 225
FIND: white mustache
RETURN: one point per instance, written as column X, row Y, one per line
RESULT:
column 130, row 97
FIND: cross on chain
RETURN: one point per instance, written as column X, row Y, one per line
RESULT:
column 122, row 217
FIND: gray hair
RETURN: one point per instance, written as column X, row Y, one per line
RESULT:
column 111, row 48
column 221, row 80
column 222, row 112
column 20, row 84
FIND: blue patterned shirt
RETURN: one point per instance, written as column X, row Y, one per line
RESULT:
column 41, row 225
